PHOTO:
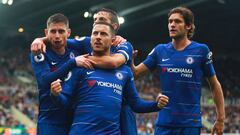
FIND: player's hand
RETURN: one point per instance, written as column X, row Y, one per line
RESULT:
column 83, row 61
column 38, row 46
column 218, row 128
column 162, row 100
column 56, row 87
column 135, row 53
column 118, row 40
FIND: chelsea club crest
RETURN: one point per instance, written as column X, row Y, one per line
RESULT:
column 189, row 60
column 119, row 75
column 72, row 55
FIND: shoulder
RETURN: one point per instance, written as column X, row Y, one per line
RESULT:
column 159, row 48
column 79, row 40
column 39, row 58
column 79, row 70
column 163, row 46
column 199, row 45
column 126, row 45
column 125, row 69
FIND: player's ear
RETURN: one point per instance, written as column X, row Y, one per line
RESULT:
column 68, row 32
column 115, row 26
column 113, row 38
column 189, row 27
column 46, row 32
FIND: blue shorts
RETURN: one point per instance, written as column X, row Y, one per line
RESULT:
column 162, row 130
column 52, row 129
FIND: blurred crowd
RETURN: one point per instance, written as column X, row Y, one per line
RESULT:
column 227, row 71
column 18, row 89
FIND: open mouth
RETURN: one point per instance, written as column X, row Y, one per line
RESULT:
column 97, row 44
column 57, row 42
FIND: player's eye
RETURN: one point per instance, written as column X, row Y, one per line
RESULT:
column 104, row 34
column 102, row 19
column 95, row 33
column 61, row 31
column 53, row 31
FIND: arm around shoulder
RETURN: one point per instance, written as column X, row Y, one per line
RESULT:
column 109, row 62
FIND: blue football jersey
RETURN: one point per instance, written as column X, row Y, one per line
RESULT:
column 49, row 67
column 81, row 45
column 97, row 96
column 126, row 50
column 181, row 73
column 128, row 121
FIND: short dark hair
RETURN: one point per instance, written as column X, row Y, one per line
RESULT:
column 58, row 18
column 188, row 17
column 113, row 15
column 105, row 23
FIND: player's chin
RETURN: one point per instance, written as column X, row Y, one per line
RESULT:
column 97, row 49
column 172, row 35
column 57, row 45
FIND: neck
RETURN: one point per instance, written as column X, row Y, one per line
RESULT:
column 101, row 53
column 181, row 43
column 59, row 51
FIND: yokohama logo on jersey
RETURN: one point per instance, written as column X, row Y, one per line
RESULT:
column 111, row 85
column 185, row 72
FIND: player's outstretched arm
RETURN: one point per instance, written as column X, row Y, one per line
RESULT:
column 218, row 126
column 38, row 46
column 139, row 70
column 43, row 71
column 139, row 105
column 60, row 98
column 162, row 100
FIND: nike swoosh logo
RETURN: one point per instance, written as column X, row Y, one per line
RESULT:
column 88, row 73
column 53, row 63
column 165, row 59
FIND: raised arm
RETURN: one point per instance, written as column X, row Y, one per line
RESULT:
column 38, row 46
column 139, row 70
column 43, row 71
column 139, row 105
column 81, row 45
column 62, row 92
column 60, row 98
column 219, row 102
